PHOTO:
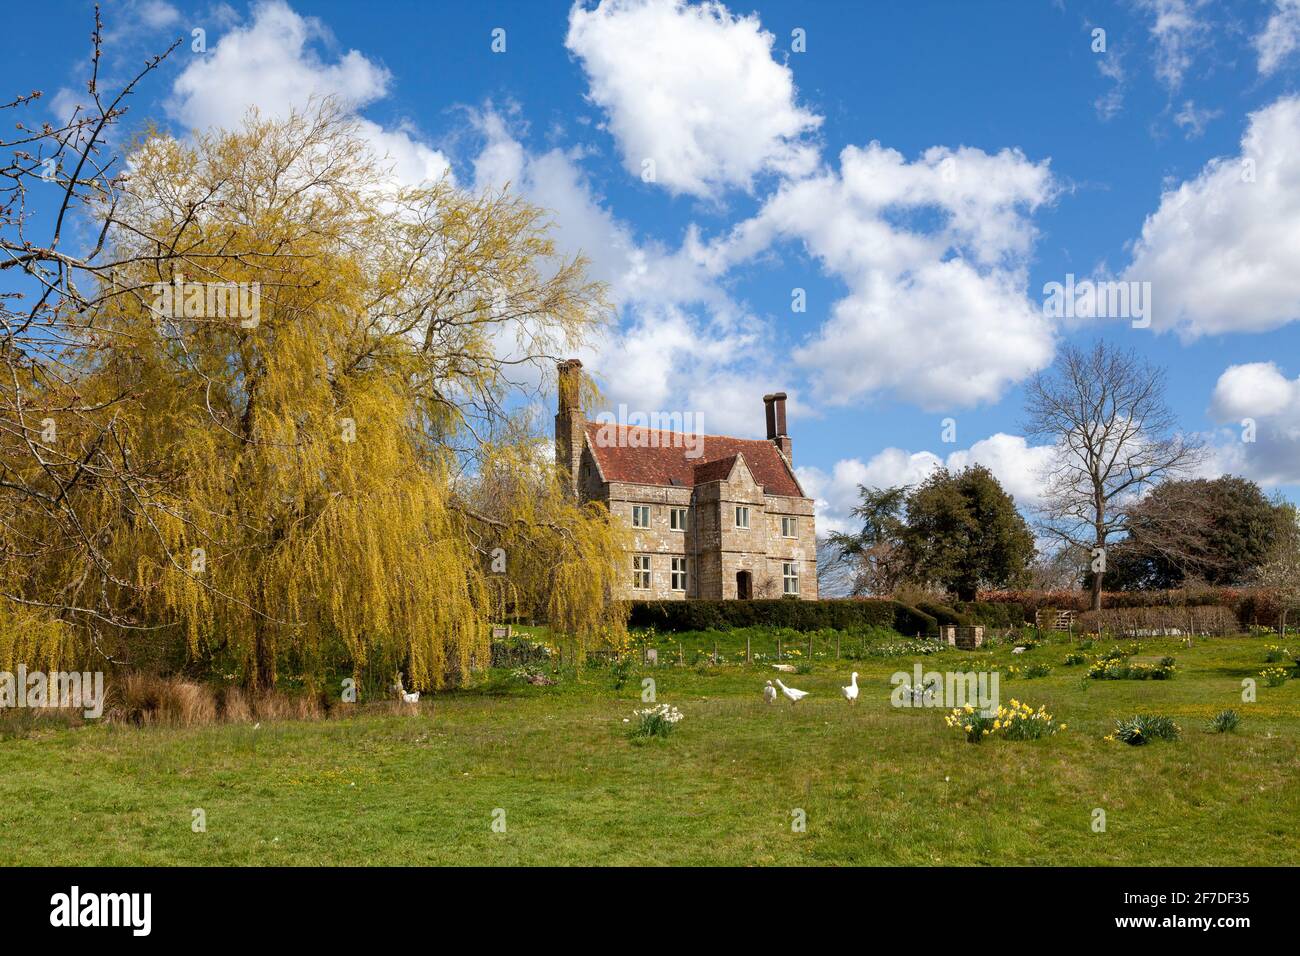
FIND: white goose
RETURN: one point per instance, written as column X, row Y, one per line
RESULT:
column 411, row 697
column 851, row 692
column 792, row 693
column 769, row 693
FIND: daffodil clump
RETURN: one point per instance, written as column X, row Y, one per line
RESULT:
column 657, row 721
column 1273, row 653
column 1016, row 721
column 1110, row 668
column 1143, row 728
column 1275, row 676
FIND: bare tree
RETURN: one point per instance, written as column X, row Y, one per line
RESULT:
column 1115, row 437
column 60, row 190
column 1280, row 573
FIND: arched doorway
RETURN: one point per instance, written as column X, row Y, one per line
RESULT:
column 744, row 585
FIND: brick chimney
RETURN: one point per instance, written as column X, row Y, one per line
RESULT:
column 776, row 433
column 569, row 422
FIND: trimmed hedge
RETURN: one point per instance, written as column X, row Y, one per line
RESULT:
column 1251, row 605
column 839, row 614
column 991, row 614
column 944, row 614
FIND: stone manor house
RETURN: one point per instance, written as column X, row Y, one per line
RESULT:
column 711, row 516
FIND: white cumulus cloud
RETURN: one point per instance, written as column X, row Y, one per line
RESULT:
column 693, row 89
column 678, row 342
column 934, row 254
column 1222, row 251
column 1261, row 408
column 1016, row 464
column 272, row 63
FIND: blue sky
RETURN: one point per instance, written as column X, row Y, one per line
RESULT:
column 921, row 170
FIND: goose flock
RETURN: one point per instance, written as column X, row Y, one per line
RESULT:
column 794, row 694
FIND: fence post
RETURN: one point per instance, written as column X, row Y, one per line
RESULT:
column 778, row 650
column 837, row 645
column 748, row 658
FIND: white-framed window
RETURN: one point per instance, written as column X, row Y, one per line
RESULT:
column 640, row 516
column 679, row 574
column 677, row 519
column 641, row 572
column 789, row 527
column 742, row 516
column 790, row 576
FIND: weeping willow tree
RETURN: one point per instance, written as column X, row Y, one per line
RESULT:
column 539, row 545
column 303, row 377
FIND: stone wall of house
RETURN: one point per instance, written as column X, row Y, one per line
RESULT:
column 716, row 547
column 658, row 540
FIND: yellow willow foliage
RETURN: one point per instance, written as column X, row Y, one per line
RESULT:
column 562, row 562
column 293, row 500
column 34, row 639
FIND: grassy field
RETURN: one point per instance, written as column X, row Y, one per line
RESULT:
column 878, row 784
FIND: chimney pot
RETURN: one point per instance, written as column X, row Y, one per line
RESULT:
column 771, row 416
column 776, row 424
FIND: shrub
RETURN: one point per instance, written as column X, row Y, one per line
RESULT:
column 149, row 700
column 621, row 670
column 1248, row 605
column 656, row 721
column 519, row 651
column 838, row 614
column 1162, row 621
column 993, row 613
column 943, row 614
column 146, row 699
column 1017, row 721
column 914, row 622
column 1225, row 721
column 1144, row 728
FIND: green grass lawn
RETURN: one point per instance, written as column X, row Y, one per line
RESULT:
column 879, row 785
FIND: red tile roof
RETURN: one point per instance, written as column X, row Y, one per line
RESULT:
column 652, row 457
column 717, row 470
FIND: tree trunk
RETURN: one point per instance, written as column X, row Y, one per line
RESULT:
column 263, row 660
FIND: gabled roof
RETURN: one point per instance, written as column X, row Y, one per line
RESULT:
column 647, row 456
column 718, row 470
